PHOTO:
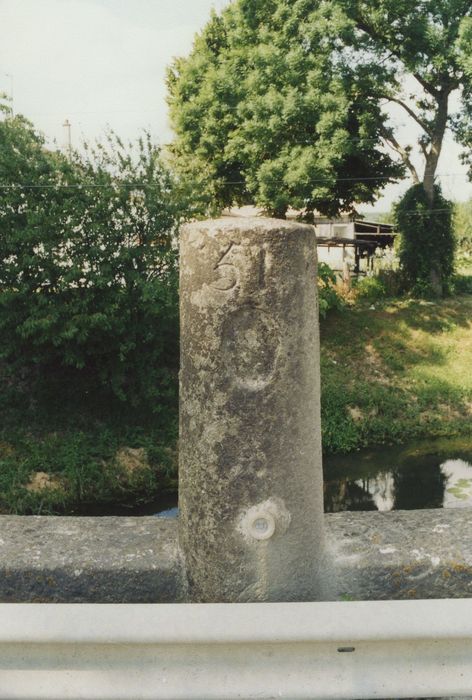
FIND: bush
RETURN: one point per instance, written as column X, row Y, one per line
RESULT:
column 328, row 297
column 464, row 257
column 88, row 268
column 427, row 243
column 387, row 269
column 370, row 288
column 462, row 220
column 462, row 284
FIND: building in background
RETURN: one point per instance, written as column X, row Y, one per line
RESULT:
column 344, row 243
column 352, row 242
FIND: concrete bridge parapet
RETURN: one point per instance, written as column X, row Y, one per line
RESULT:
column 251, row 524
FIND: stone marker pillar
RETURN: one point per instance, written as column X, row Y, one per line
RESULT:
column 251, row 490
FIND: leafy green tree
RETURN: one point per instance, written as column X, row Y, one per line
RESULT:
column 266, row 109
column 426, row 55
column 88, row 281
column 284, row 103
column 463, row 121
column 423, row 50
column 427, row 243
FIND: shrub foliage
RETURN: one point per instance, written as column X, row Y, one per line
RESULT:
column 88, row 269
column 328, row 296
column 427, row 244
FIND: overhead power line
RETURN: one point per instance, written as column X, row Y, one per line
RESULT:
column 146, row 185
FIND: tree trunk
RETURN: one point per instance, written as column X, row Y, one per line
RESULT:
column 432, row 158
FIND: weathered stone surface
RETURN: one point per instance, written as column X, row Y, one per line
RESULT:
column 401, row 554
column 94, row 560
column 251, row 524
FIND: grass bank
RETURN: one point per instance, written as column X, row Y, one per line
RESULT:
column 392, row 373
column 396, row 371
column 67, row 451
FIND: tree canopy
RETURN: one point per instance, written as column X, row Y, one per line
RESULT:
column 284, row 103
column 463, row 123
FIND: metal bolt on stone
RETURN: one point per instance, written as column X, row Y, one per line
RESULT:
column 250, row 480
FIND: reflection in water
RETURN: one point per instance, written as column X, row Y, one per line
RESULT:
column 415, row 478
column 458, row 474
column 168, row 513
column 432, row 475
column 347, row 495
column 381, row 488
column 417, row 487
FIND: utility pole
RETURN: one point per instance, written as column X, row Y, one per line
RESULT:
column 68, row 138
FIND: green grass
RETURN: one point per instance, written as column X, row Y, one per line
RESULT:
column 61, row 451
column 398, row 372
column 390, row 374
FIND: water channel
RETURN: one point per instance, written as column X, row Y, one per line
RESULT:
column 428, row 474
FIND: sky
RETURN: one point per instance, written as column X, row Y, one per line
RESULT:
column 102, row 63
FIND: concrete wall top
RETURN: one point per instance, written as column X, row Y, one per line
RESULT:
column 397, row 555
